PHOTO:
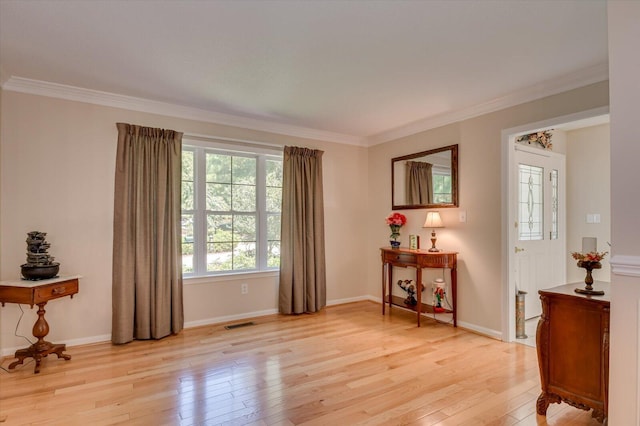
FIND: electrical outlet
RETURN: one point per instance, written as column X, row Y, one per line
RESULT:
column 244, row 288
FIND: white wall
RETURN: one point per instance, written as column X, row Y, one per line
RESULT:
column 624, row 72
column 589, row 191
column 57, row 175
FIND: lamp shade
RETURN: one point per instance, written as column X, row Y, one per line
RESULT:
column 433, row 220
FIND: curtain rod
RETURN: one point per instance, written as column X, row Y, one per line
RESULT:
column 208, row 138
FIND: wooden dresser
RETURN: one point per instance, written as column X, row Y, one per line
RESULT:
column 573, row 349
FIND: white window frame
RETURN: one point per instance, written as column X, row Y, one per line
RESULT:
column 200, row 148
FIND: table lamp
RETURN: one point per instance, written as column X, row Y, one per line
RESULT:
column 433, row 221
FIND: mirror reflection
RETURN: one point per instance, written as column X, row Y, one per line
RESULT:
column 425, row 179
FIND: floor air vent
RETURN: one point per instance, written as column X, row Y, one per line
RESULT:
column 242, row 324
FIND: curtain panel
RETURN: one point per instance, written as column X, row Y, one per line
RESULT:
column 419, row 183
column 302, row 257
column 147, row 270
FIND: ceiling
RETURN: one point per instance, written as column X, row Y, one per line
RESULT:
column 363, row 71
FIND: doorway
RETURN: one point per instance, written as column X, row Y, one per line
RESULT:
column 539, row 237
column 515, row 265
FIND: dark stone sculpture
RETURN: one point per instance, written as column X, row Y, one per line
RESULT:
column 40, row 265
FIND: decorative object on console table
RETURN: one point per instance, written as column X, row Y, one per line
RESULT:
column 439, row 294
column 433, row 221
column 395, row 222
column 40, row 265
column 38, row 293
column 572, row 341
column 410, row 288
column 417, row 259
column 414, row 242
column 589, row 261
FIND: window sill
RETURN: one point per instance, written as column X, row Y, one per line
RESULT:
column 229, row 277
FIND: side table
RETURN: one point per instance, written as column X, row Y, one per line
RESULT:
column 38, row 293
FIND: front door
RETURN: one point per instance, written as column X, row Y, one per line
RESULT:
column 539, row 246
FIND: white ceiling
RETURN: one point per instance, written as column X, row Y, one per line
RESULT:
column 362, row 70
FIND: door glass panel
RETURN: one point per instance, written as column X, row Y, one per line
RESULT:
column 530, row 203
column 554, row 205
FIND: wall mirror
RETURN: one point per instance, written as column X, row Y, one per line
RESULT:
column 426, row 179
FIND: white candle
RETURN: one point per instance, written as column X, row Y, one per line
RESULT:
column 589, row 244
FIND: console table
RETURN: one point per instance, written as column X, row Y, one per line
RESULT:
column 573, row 349
column 38, row 293
column 418, row 259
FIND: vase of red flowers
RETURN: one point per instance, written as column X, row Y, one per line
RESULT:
column 395, row 222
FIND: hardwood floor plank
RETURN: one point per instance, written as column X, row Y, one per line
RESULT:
column 346, row 365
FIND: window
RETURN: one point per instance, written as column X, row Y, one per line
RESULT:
column 442, row 191
column 231, row 203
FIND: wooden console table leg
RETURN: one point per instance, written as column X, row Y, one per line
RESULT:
column 41, row 348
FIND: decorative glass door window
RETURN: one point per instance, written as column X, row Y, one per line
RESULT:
column 553, row 235
column 530, row 202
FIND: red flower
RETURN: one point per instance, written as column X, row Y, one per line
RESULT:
column 396, row 219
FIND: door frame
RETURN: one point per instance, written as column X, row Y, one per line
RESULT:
column 508, row 192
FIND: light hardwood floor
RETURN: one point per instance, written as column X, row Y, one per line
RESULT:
column 345, row 366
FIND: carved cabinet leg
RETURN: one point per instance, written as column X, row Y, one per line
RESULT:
column 542, row 404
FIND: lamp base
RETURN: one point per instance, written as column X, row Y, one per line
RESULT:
column 433, row 241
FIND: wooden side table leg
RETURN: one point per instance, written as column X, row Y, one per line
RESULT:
column 384, row 287
column 419, row 292
column 41, row 348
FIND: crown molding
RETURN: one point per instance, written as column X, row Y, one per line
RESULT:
column 625, row 265
column 72, row 93
column 550, row 87
column 567, row 82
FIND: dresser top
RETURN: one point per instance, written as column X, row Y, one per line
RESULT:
column 37, row 283
column 569, row 290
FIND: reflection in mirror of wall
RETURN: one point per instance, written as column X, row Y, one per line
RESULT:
column 425, row 179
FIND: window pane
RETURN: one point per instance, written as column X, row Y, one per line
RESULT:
column 244, row 256
column 244, row 228
column 219, row 228
column 274, row 199
column 187, row 165
column 273, row 227
column 187, row 195
column 274, row 173
column 273, row 255
column 244, row 198
column 218, row 168
column 218, row 197
column 219, row 257
column 187, row 243
column 244, row 170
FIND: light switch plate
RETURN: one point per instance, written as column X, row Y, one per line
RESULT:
column 462, row 214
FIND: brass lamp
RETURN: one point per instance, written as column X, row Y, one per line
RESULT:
column 433, row 221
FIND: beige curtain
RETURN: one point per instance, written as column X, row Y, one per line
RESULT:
column 302, row 261
column 147, row 272
column 419, row 183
